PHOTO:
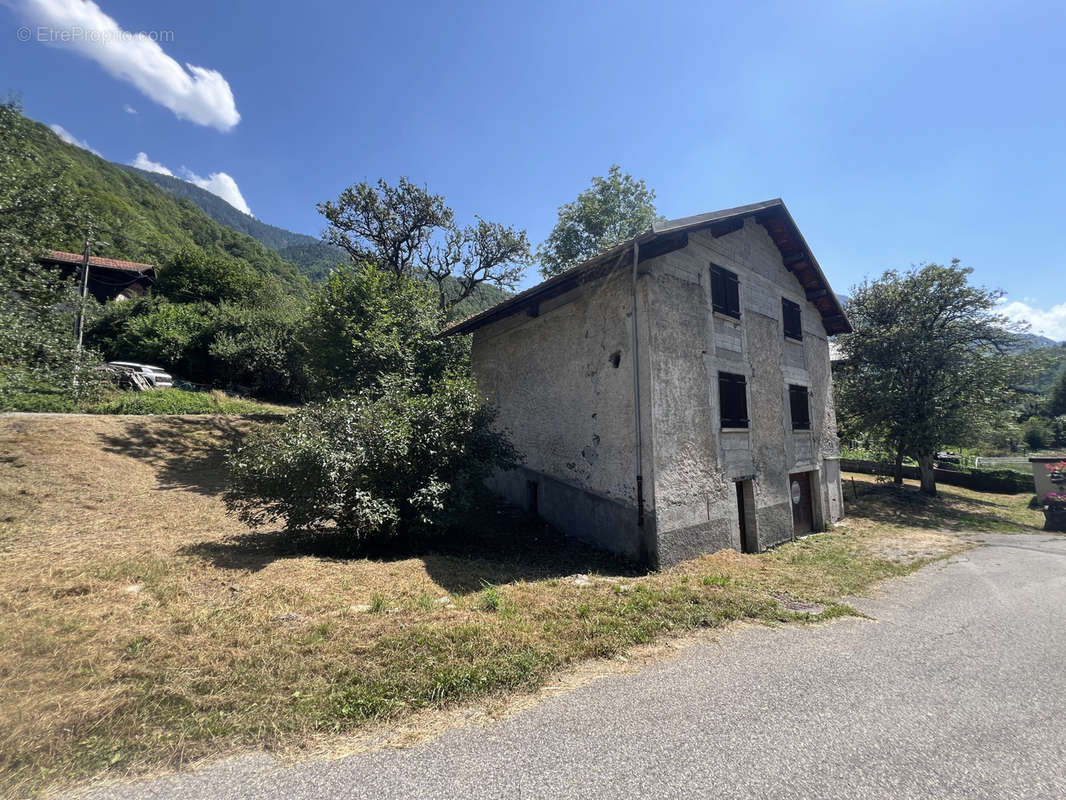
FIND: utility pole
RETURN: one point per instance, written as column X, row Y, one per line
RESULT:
column 79, row 325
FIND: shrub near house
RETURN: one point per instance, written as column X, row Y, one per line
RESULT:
column 404, row 452
column 374, row 465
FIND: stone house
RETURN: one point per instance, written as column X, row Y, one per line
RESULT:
column 672, row 396
column 109, row 278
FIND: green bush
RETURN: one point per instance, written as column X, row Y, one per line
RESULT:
column 1006, row 481
column 1037, row 433
column 34, row 396
column 227, row 345
column 374, row 465
column 360, row 325
column 255, row 349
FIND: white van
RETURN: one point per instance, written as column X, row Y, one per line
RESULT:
column 156, row 377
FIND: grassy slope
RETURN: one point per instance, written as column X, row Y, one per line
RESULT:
column 143, row 627
column 139, row 220
column 50, row 399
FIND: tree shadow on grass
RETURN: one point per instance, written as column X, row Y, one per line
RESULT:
column 498, row 545
column 187, row 452
column 905, row 505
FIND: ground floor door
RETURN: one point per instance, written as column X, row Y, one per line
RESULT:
column 802, row 507
column 745, row 507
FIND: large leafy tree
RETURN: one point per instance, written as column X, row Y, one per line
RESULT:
column 37, row 306
column 366, row 323
column 411, row 233
column 927, row 364
column 613, row 209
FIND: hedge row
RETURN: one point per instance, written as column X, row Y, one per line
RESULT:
column 1003, row 481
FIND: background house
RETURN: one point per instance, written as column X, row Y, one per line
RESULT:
column 673, row 395
column 109, row 278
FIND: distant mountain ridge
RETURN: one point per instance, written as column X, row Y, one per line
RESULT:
column 1034, row 341
column 313, row 257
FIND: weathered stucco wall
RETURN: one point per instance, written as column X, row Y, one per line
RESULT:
column 563, row 382
column 695, row 462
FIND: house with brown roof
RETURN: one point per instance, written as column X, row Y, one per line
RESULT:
column 673, row 396
column 109, row 278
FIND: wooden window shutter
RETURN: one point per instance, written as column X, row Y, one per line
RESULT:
column 792, row 316
column 733, row 399
column 799, row 402
column 725, row 291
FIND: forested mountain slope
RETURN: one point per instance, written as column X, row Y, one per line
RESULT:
column 312, row 256
column 139, row 220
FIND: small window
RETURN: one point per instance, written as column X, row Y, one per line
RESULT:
column 532, row 497
column 733, row 398
column 793, row 321
column 799, row 400
column 725, row 291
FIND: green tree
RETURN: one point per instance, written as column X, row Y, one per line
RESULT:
column 399, row 444
column 611, row 210
column 364, row 323
column 927, row 363
column 256, row 351
column 411, row 233
column 252, row 349
column 37, row 305
column 172, row 335
column 192, row 275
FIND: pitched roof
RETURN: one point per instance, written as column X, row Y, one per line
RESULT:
column 663, row 237
column 59, row 257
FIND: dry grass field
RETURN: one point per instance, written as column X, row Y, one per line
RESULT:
column 141, row 627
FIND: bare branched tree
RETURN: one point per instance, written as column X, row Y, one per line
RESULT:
column 487, row 252
column 411, row 233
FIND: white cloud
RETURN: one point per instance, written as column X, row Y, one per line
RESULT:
column 142, row 161
column 194, row 93
column 218, row 183
column 129, row 109
column 221, row 184
column 1047, row 322
column 70, row 138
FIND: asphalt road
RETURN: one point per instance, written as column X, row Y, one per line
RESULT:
column 955, row 689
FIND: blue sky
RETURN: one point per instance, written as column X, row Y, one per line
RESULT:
column 897, row 132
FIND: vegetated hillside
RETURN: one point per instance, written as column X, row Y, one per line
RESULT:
column 140, row 221
column 312, row 256
column 1047, row 358
column 1050, row 361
